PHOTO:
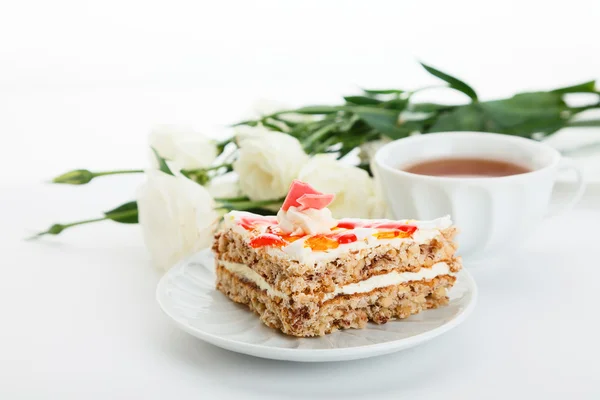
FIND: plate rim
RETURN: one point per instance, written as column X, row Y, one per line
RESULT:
column 316, row 355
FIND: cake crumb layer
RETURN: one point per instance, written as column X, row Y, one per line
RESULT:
column 289, row 276
column 342, row 312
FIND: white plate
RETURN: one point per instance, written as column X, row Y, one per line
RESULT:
column 187, row 294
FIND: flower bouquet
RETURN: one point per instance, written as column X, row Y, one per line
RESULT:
column 193, row 180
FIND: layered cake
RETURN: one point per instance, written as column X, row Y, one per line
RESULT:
column 307, row 274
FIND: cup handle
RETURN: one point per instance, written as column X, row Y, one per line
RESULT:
column 565, row 165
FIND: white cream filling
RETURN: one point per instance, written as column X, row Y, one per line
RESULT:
column 372, row 283
column 249, row 274
column 390, row 279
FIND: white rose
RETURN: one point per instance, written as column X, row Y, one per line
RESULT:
column 368, row 149
column 267, row 163
column 354, row 189
column 187, row 148
column 224, row 186
column 177, row 217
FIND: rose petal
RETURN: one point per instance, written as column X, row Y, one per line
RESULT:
column 296, row 191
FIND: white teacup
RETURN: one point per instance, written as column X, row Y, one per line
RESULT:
column 491, row 213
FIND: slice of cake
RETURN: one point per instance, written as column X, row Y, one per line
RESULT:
column 307, row 274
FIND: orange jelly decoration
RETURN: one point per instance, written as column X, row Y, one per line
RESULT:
column 290, row 238
column 267, row 240
column 321, row 243
column 392, row 234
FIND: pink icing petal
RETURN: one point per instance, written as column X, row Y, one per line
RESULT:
column 316, row 201
column 298, row 190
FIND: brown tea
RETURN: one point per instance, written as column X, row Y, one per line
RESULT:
column 466, row 168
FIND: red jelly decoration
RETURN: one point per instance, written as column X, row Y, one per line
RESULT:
column 346, row 225
column 410, row 229
column 346, row 238
column 267, row 240
column 246, row 226
column 249, row 223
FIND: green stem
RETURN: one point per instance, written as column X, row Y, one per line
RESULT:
column 247, row 204
column 317, row 136
column 231, row 199
column 229, row 166
column 58, row 228
column 86, row 221
column 83, row 176
column 291, row 124
column 221, row 145
column 321, row 148
column 577, row 110
column 126, row 213
column 584, row 123
column 118, row 172
column 186, row 172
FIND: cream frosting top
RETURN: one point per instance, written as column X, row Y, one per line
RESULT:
column 366, row 236
column 305, row 222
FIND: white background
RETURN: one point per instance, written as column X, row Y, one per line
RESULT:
column 82, row 83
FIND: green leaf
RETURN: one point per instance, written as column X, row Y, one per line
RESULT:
column 385, row 121
column 585, row 87
column 429, row 107
column 410, row 115
column 526, row 113
column 316, row 110
column 366, row 167
column 522, row 115
column 452, row 81
column 395, row 104
column 126, row 213
column 162, row 164
column 464, row 118
column 383, row 91
column 348, row 123
column 535, row 100
column 362, row 100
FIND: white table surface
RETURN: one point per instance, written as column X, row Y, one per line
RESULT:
column 82, row 83
column 80, row 321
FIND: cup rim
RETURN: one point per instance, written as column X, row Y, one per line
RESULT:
column 387, row 148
